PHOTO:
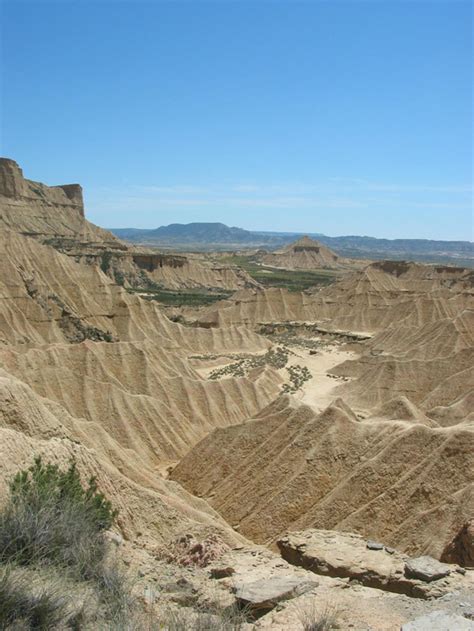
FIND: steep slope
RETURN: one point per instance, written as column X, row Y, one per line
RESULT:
column 91, row 371
column 67, row 328
column 190, row 271
column 399, row 481
column 52, row 214
column 151, row 510
column 367, row 300
column 397, row 465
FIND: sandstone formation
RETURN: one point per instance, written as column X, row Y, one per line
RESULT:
column 48, row 213
column 420, row 321
column 93, row 371
column 305, row 254
column 54, row 215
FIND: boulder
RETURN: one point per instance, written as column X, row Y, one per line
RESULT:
column 439, row 621
column 427, row 569
column 264, row 594
column 373, row 545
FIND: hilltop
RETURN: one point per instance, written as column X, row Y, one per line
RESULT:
column 305, row 254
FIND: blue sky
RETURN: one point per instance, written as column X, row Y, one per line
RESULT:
column 341, row 117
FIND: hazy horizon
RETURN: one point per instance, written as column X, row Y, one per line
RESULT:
column 311, row 117
column 282, row 232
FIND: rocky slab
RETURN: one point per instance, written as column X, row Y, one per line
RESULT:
column 426, row 569
column 347, row 555
column 265, row 594
column 439, row 621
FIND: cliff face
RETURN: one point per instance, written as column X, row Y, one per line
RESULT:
column 51, row 214
column 54, row 215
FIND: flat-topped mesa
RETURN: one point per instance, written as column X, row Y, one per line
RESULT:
column 15, row 186
column 306, row 244
column 305, row 254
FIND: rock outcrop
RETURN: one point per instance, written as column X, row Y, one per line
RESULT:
column 347, row 555
column 48, row 212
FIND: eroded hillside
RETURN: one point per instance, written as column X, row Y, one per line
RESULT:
column 92, row 370
column 392, row 346
column 347, row 408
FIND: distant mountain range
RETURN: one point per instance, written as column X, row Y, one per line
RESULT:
column 205, row 236
column 209, row 233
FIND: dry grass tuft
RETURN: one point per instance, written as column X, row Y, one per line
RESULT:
column 314, row 619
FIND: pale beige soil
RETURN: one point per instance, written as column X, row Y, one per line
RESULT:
column 319, row 391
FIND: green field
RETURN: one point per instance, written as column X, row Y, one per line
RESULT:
column 293, row 280
column 182, row 297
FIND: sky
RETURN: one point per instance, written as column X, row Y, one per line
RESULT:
column 337, row 117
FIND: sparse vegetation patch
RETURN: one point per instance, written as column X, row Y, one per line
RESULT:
column 182, row 297
column 298, row 376
column 293, row 280
column 54, row 556
column 277, row 358
column 313, row 619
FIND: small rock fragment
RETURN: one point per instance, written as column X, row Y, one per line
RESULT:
column 265, row 594
column 373, row 545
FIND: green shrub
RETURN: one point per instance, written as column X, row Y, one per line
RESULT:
column 51, row 517
column 42, row 484
column 105, row 259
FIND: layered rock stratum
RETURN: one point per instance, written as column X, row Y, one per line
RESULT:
column 54, row 216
